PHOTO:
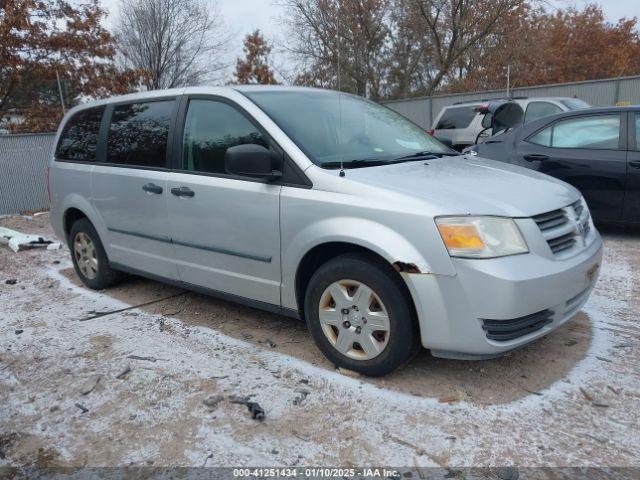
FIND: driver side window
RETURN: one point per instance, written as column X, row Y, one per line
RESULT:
column 210, row 128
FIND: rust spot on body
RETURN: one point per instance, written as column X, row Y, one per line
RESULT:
column 403, row 267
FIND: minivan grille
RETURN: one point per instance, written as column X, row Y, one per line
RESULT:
column 565, row 228
column 504, row 330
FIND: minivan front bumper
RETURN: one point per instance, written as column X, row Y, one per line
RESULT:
column 493, row 306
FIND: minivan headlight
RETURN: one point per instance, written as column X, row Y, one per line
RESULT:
column 481, row 237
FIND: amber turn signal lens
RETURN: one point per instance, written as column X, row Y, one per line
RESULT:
column 461, row 237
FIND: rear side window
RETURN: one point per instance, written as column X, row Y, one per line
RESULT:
column 138, row 134
column 600, row 132
column 537, row 110
column 79, row 137
column 210, row 128
column 456, row 117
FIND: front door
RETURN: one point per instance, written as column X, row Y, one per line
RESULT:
column 130, row 187
column 225, row 229
column 588, row 152
column 632, row 196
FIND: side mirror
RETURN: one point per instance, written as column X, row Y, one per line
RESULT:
column 253, row 160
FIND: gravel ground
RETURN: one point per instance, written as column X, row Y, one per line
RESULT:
column 99, row 379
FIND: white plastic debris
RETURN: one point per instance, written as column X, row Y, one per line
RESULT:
column 17, row 241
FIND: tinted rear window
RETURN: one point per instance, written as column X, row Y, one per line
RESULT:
column 456, row 117
column 79, row 137
column 138, row 134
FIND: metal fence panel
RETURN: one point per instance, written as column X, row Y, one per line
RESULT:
column 23, row 163
column 601, row 93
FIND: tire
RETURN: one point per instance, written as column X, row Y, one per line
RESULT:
column 363, row 280
column 85, row 246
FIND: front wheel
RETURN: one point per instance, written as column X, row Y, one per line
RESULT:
column 89, row 258
column 360, row 315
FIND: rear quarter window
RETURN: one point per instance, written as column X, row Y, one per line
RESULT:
column 456, row 117
column 79, row 137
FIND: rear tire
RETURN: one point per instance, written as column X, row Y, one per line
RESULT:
column 361, row 315
column 89, row 258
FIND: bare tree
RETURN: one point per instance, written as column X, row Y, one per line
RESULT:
column 175, row 42
column 340, row 42
column 453, row 27
column 390, row 48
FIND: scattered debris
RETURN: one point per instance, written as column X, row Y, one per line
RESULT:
column 302, row 395
column 593, row 398
column 213, row 401
column 91, row 383
column 19, row 331
column 123, row 372
column 604, row 359
column 257, row 413
column 54, row 408
column 269, row 342
column 56, row 262
column 17, row 241
column 626, row 345
column 146, row 359
column 239, row 399
column 348, row 373
column 11, row 281
column 93, row 314
column 54, row 246
column 598, row 438
column 81, row 407
column 614, row 390
column 418, row 450
column 570, row 343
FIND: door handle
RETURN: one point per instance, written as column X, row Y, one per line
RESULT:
column 152, row 188
column 634, row 164
column 183, row 192
column 535, row 157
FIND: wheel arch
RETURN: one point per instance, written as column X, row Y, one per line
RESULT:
column 324, row 252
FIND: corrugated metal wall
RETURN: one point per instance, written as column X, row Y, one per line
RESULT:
column 601, row 93
column 23, row 162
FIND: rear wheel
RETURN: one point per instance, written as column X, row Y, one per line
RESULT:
column 360, row 315
column 89, row 258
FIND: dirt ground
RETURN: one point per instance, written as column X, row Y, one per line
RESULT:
column 157, row 353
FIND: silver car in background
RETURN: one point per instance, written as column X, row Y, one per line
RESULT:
column 464, row 125
column 327, row 207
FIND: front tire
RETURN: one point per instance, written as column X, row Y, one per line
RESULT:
column 89, row 258
column 361, row 315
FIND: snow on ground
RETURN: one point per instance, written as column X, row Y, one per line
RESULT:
column 588, row 416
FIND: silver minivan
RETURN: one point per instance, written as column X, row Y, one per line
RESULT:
column 327, row 207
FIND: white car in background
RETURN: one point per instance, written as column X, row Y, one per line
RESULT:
column 461, row 123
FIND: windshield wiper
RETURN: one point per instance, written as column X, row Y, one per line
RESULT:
column 424, row 155
column 356, row 163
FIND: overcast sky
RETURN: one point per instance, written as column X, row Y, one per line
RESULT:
column 244, row 16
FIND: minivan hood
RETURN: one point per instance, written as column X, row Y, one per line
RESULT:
column 471, row 185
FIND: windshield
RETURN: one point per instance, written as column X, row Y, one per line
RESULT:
column 575, row 104
column 351, row 129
